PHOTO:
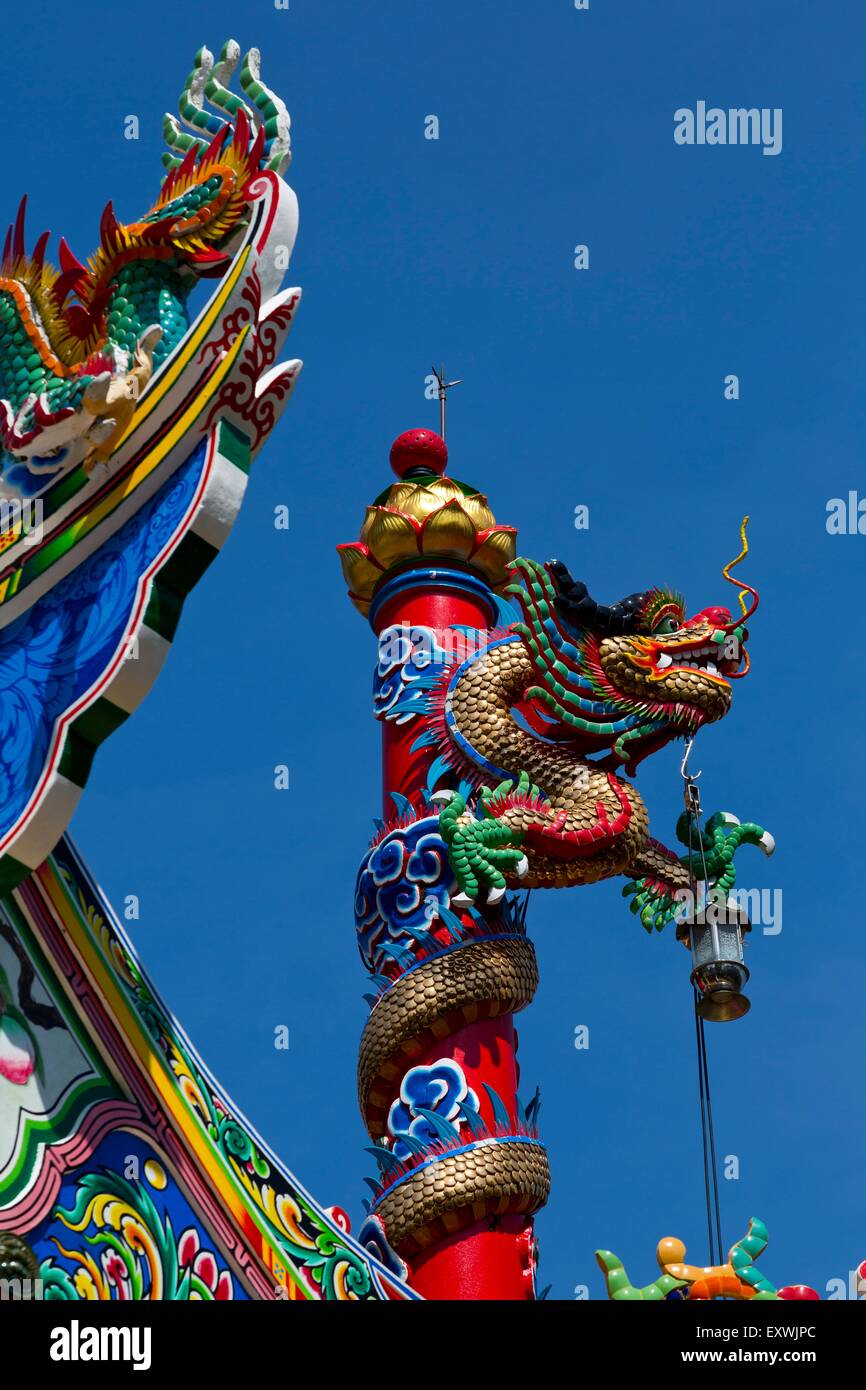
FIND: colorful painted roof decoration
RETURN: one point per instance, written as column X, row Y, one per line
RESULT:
column 124, row 1167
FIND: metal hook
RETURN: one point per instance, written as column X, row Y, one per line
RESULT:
column 684, row 765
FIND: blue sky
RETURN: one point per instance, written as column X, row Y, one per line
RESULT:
column 603, row 387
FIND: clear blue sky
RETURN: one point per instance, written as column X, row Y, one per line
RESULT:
column 602, row 387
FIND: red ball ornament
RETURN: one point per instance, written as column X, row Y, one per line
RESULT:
column 796, row 1292
column 419, row 451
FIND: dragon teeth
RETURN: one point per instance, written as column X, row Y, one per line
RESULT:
column 698, row 661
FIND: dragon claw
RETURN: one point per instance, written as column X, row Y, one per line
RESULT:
column 712, row 863
column 651, row 902
column 480, row 851
column 721, row 837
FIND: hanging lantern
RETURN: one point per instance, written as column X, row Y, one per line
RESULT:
column 714, row 935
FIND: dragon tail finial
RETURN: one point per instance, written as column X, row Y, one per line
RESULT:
column 264, row 113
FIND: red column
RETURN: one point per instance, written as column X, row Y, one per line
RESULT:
column 460, row 1167
column 493, row 1258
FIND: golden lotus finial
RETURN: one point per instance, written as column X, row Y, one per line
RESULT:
column 425, row 515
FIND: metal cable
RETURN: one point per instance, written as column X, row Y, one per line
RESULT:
column 693, row 813
column 714, row 1168
column 704, row 1131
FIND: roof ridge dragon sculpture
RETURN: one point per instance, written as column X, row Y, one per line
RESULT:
column 78, row 344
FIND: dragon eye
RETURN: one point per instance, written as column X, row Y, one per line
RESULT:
column 666, row 626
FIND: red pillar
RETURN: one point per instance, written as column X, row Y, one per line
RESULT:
column 478, row 1262
column 484, row 1250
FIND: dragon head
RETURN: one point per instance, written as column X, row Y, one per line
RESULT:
column 630, row 676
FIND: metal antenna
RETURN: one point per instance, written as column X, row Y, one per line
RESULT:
column 444, row 388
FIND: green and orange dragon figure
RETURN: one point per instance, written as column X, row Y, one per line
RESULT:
column 738, row 1278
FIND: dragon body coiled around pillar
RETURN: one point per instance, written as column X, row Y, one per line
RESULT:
column 533, row 732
